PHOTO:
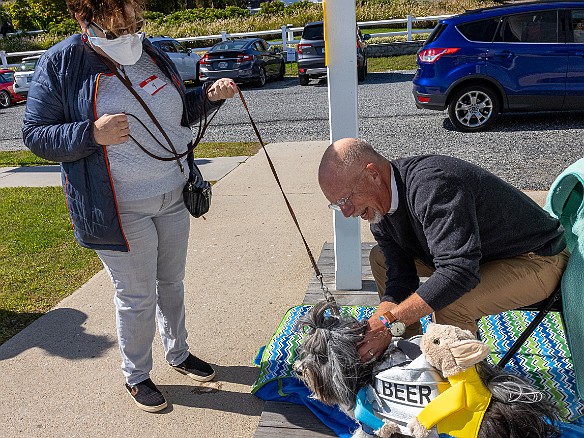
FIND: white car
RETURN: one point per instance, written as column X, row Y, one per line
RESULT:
column 185, row 60
column 23, row 74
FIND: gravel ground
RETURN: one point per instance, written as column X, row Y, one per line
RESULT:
column 528, row 150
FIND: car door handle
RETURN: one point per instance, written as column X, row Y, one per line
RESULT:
column 505, row 54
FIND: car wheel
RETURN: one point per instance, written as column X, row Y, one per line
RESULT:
column 303, row 79
column 362, row 73
column 474, row 108
column 4, row 99
column 261, row 81
column 282, row 71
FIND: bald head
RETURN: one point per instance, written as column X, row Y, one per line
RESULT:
column 344, row 159
column 356, row 179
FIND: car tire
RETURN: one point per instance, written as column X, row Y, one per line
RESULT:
column 474, row 108
column 303, row 79
column 5, row 100
column 282, row 71
column 362, row 73
column 261, row 81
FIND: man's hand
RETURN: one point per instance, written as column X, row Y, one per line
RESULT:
column 111, row 129
column 377, row 336
column 222, row 89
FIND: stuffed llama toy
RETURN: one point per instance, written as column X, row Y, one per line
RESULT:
column 482, row 401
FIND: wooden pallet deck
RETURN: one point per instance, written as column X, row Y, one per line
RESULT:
column 286, row 420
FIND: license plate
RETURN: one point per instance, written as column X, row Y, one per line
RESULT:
column 222, row 65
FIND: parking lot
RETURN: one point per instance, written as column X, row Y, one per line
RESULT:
column 528, row 150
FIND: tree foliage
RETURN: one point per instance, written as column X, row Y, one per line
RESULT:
column 35, row 14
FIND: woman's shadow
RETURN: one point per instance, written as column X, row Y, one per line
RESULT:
column 59, row 332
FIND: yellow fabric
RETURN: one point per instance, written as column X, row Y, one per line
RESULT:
column 459, row 410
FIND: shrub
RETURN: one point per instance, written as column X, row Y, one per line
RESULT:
column 207, row 21
column 64, row 28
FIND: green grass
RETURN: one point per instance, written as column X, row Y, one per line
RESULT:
column 206, row 149
column 402, row 62
column 40, row 261
column 21, row 158
column 226, row 149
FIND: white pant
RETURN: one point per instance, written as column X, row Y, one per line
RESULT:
column 149, row 281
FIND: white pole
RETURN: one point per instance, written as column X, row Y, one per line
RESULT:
column 341, row 58
column 290, row 36
column 284, row 42
column 410, row 26
column 3, row 61
column 223, row 35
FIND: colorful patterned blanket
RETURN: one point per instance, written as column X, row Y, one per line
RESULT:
column 544, row 360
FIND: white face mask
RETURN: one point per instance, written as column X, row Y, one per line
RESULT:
column 125, row 50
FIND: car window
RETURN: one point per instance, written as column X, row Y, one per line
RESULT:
column 229, row 45
column 532, row 27
column 167, row 46
column 178, row 48
column 257, row 46
column 313, row 32
column 264, row 45
column 436, row 33
column 6, row 77
column 577, row 26
column 27, row 65
column 481, row 30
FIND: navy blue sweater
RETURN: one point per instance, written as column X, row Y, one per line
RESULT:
column 454, row 216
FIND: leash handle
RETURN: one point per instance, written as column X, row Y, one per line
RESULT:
column 327, row 294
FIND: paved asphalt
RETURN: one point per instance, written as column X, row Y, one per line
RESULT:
column 527, row 150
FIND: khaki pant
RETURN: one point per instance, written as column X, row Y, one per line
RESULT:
column 505, row 285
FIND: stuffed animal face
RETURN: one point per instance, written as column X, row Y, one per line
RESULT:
column 451, row 349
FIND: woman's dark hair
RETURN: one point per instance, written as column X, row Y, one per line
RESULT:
column 103, row 9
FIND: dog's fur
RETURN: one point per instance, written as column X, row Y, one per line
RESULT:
column 329, row 362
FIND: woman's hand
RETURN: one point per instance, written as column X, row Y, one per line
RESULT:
column 222, row 89
column 111, row 129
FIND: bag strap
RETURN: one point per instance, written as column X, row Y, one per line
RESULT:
column 327, row 294
column 126, row 81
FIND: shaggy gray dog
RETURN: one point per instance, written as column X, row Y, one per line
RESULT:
column 329, row 362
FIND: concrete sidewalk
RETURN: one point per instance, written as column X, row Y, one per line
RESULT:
column 60, row 377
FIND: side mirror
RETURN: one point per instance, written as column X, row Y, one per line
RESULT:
column 189, row 51
column 366, row 36
column 277, row 50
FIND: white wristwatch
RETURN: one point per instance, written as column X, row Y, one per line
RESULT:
column 396, row 327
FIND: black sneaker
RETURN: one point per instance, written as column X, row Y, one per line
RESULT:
column 196, row 369
column 147, row 396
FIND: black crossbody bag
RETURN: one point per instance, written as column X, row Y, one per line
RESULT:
column 196, row 192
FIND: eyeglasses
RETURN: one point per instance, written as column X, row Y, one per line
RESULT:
column 112, row 34
column 346, row 201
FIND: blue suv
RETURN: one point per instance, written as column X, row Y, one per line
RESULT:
column 516, row 57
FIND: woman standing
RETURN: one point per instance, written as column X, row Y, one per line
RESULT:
column 123, row 203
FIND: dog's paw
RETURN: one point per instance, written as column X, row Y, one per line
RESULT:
column 387, row 430
column 417, row 429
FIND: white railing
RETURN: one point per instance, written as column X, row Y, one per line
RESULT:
column 286, row 32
